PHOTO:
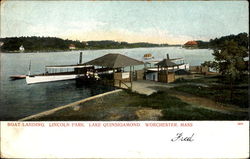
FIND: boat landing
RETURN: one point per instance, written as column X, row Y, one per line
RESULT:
column 144, row 86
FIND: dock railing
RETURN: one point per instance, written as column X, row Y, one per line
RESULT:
column 122, row 82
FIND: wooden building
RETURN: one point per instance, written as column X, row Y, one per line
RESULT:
column 199, row 69
column 164, row 74
column 114, row 65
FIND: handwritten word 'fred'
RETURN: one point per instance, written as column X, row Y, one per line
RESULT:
column 181, row 137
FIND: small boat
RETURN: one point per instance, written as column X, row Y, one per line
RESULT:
column 17, row 77
column 148, row 56
column 172, row 65
column 179, row 64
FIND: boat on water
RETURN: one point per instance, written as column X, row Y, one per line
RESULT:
column 179, row 63
column 52, row 75
column 61, row 72
column 148, row 56
column 152, row 67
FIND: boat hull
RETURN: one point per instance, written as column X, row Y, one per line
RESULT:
column 17, row 77
column 48, row 78
column 184, row 67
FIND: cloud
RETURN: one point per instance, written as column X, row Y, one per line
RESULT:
column 44, row 30
column 97, row 30
column 69, row 28
column 151, row 35
column 85, row 26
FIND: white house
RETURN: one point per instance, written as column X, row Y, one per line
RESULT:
column 72, row 47
column 1, row 43
column 21, row 48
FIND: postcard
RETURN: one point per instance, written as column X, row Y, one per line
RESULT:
column 124, row 79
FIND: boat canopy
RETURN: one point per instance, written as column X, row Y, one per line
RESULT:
column 68, row 66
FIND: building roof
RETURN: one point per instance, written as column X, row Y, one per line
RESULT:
column 166, row 63
column 191, row 43
column 114, row 61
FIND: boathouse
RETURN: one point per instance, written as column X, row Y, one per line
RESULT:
column 164, row 73
column 112, row 67
column 191, row 44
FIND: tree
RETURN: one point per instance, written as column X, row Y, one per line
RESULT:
column 229, row 60
column 211, row 64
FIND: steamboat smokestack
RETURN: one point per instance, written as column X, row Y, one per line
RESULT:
column 80, row 58
column 167, row 56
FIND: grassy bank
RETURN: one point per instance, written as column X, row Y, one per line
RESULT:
column 175, row 109
column 127, row 106
column 217, row 89
column 218, row 93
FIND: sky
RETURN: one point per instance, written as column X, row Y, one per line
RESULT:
column 172, row 22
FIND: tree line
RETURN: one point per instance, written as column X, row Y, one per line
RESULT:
column 37, row 43
column 241, row 39
column 33, row 44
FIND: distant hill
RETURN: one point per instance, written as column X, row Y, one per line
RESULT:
column 34, row 44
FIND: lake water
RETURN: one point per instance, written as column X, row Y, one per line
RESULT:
column 18, row 100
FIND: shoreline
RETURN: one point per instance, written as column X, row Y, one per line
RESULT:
column 59, row 51
column 95, row 50
column 122, row 105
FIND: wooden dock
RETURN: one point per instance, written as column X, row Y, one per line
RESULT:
column 144, row 86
